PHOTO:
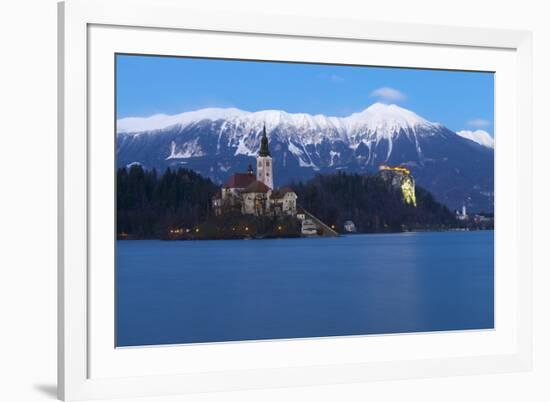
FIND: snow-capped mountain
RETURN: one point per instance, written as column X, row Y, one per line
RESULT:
column 482, row 137
column 219, row 142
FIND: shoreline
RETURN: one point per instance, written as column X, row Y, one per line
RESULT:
column 118, row 238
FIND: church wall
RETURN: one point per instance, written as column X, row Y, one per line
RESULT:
column 264, row 168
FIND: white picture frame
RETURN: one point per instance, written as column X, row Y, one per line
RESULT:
column 83, row 27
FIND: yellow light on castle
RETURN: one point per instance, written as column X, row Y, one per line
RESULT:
column 395, row 169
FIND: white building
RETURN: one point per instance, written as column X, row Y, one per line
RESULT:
column 254, row 194
column 349, row 227
column 462, row 214
column 283, row 201
column 255, row 199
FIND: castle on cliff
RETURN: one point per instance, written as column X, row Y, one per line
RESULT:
column 254, row 194
column 401, row 179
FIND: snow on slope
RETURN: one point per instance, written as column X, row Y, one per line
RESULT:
column 377, row 128
column 480, row 136
column 189, row 150
column 384, row 120
column 161, row 121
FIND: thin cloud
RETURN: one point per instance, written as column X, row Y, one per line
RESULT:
column 335, row 78
column 387, row 94
column 479, row 123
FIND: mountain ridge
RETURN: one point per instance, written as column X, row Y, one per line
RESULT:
column 378, row 113
column 482, row 137
column 218, row 142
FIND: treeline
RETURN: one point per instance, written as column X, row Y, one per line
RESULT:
column 371, row 203
column 149, row 204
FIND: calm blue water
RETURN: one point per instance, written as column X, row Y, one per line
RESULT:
column 210, row 291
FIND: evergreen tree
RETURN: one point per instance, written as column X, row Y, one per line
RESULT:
column 148, row 205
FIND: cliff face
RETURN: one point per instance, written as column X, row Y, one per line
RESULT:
column 408, row 190
column 401, row 180
column 384, row 202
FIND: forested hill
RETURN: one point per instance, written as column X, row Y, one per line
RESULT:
column 150, row 204
column 371, row 203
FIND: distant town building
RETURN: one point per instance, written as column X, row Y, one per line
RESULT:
column 349, row 227
column 255, row 194
column 482, row 219
column 462, row 214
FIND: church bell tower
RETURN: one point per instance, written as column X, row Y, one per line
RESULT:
column 264, row 171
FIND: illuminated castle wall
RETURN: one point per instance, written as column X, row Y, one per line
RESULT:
column 402, row 179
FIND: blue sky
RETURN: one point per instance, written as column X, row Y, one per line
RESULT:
column 148, row 85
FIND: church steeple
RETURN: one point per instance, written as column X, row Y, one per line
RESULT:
column 264, row 148
column 264, row 163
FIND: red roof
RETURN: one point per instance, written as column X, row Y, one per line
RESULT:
column 257, row 187
column 240, row 180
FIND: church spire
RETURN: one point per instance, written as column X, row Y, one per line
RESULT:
column 264, row 149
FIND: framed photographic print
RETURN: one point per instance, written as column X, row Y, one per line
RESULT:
column 263, row 201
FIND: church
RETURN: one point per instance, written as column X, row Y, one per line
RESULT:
column 254, row 194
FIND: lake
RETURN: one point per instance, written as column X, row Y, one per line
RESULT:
column 171, row 292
